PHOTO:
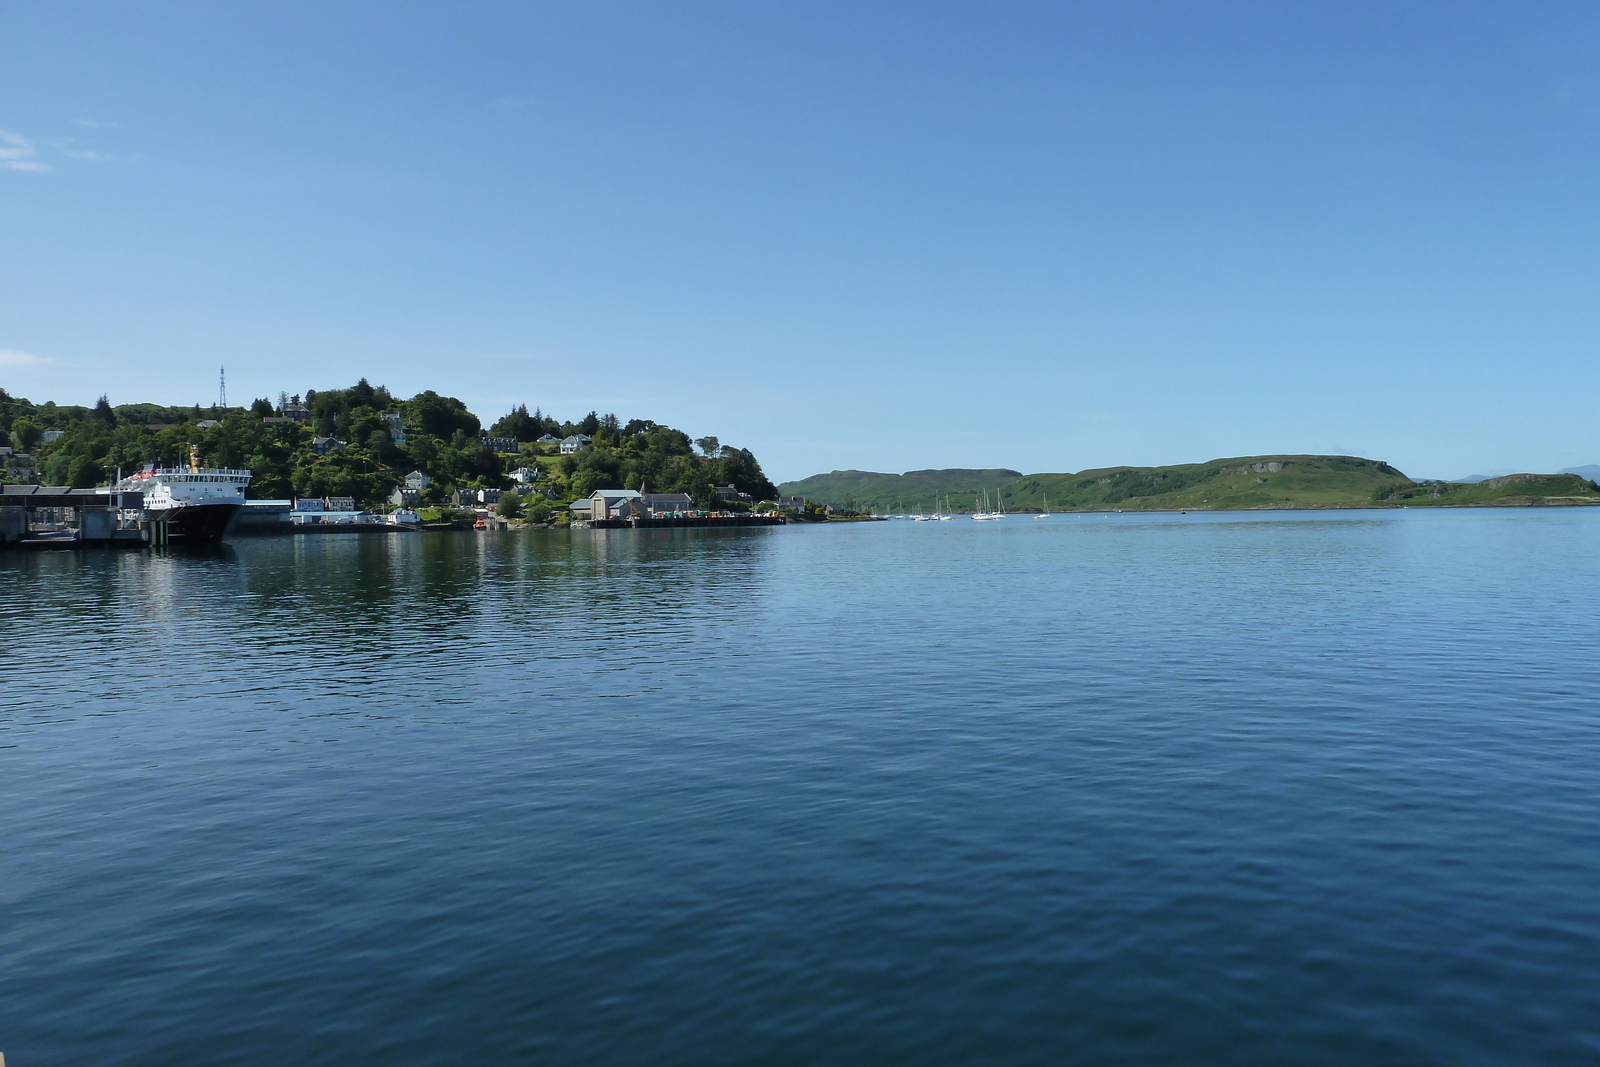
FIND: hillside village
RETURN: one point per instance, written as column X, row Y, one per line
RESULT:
column 331, row 454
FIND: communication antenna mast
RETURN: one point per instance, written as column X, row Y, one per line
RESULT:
column 222, row 388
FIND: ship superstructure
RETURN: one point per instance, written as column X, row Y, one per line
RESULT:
column 197, row 503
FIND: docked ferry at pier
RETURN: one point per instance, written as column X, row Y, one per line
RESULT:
column 198, row 504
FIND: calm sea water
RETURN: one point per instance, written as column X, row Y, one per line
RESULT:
column 1222, row 789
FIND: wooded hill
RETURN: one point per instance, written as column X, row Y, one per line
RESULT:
column 1222, row 484
column 366, row 458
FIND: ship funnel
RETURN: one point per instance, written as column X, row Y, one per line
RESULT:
column 194, row 459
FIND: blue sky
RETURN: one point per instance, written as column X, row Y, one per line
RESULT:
column 881, row 236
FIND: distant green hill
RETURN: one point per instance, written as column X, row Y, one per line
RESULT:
column 913, row 489
column 1226, row 484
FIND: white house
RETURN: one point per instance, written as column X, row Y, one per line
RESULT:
column 548, row 439
column 418, row 481
column 571, row 444
column 525, row 475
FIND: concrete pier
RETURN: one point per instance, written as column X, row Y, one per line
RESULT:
column 52, row 516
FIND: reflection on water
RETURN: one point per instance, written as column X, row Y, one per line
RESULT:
column 1311, row 788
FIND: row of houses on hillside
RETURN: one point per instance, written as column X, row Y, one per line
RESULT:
column 409, row 494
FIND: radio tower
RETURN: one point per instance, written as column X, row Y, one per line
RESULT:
column 222, row 388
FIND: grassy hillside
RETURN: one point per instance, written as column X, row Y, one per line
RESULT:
column 913, row 490
column 1241, row 482
column 1513, row 490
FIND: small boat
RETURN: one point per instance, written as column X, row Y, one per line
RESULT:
column 1046, row 513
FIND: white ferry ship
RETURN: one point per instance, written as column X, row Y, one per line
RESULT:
column 198, row 503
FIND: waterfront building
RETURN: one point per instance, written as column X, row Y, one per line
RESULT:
column 608, row 503
column 471, row 498
column 667, row 503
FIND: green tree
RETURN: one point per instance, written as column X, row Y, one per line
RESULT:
column 539, row 510
column 519, row 424
column 27, row 434
column 584, row 482
column 441, row 416
column 84, row 473
column 510, row 506
column 487, row 467
column 261, row 407
column 382, row 447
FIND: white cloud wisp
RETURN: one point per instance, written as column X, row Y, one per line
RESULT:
column 19, row 153
column 12, row 357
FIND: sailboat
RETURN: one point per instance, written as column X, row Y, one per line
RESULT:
column 945, row 516
column 986, row 513
column 1046, row 513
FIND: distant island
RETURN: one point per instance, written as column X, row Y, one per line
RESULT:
column 364, row 445
column 1245, row 482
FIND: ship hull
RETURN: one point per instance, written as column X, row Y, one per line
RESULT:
column 199, row 524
